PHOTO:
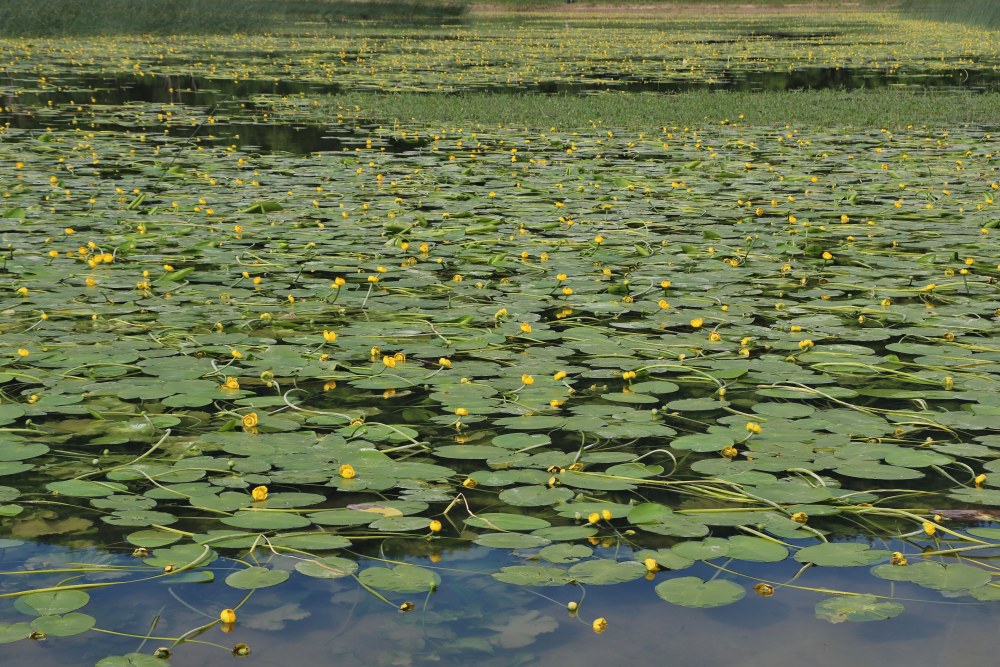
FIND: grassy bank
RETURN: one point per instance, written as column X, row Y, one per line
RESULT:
column 639, row 111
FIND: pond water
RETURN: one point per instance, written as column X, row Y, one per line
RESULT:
column 727, row 381
column 472, row 617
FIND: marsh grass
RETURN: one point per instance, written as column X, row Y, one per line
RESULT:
column 888, row 108
column 106, row 17
column 983, row 13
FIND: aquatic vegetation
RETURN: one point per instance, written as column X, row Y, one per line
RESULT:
column 706, row 355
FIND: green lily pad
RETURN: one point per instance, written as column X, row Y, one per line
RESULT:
column 400, row 579
column 841, row 554
column 52, row 603
column 605, row 571
column 331, row 567
column 256, row 577
column 64, row 626
column 698, row 594
column 263, row 520
column 533, row 575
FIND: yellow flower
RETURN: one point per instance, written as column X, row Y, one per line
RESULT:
column 651, row 565
column 827, row 256
column 444, row 362
column 435, row 526
column 715, row 337
column 227, row 616
column 886, row 302
column 800, row 517
column 327, row 386
column 389, row 362
column 329, row 336
column 527, row 379
column 980, row 478
column 594, row 517
column 764, row 590
column 729, row 452
column 249, row 420
column 697, row 322
column 525, row 328
column 662, row 303
column 259, row 493
column 236, row 354
column 600, row 625
column 899, row 559
column 559, row 376
column 21, row 352
column 929, row 528
column 462, row 412
column 806, row 344
column 347, row 471
column 606, row 515
column 230, row 383
column 598, row 239
column 470, row 483
column 753, row 427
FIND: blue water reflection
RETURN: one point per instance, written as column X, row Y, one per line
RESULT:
column 474, row 618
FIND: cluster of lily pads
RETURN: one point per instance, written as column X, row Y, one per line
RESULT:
column 617, row 354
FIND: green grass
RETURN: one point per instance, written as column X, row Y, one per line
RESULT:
column 985, row 13
column 105, row 17
column 643, row 111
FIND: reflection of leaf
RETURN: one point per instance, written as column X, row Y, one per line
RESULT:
column 38, row 527
column 856, row 608
column 275, row 619
column 522, row 630
column 83, row 560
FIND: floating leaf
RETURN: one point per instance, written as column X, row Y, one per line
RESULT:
column 256, row 577
column 400, row 579
column 841, row 554
column 698, row 594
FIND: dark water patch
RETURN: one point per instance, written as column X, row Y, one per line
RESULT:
column 119, row 89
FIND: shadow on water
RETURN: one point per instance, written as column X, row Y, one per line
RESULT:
column 121, row 89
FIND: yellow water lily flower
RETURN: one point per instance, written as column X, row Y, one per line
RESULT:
column 435, row 526
column 230, row 383
column 250, row 420
column 347, row 471
column 227, row 616
column 259, row 493
column 600, row 625
column 329, row 336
